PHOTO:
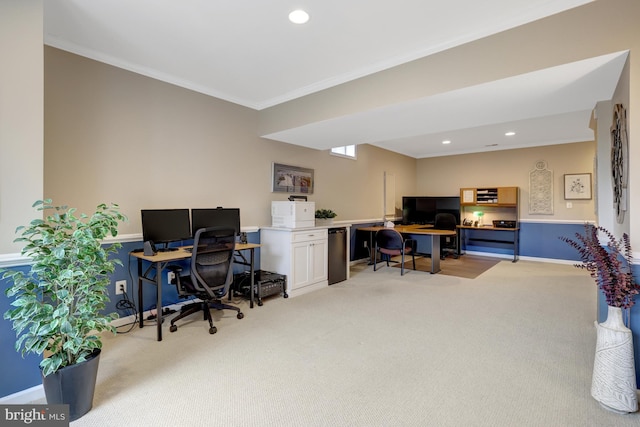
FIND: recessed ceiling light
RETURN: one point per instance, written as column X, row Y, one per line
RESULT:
column 510, row 133
column 446, row 142
column 298, row 16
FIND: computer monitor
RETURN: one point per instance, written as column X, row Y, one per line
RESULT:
column 165, row 225
column 423, row 209
column 215, row 217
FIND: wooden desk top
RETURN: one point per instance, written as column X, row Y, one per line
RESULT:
column 415, row 229
column 183, row 253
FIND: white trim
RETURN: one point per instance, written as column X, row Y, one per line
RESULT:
column 13, row 260
column 123, row 238
column 34, row 394
column 523, row 258
column 555, row 221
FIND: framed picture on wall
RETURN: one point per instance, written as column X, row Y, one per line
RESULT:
column 577, row 186
column 291, row 179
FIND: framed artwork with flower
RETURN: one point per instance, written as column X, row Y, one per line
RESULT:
column 577, row 186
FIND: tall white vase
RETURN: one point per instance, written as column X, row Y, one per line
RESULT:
column 614, row 378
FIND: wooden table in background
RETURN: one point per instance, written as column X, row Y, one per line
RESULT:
column 426, row 230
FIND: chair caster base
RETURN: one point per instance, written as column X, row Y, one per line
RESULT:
column 213, row 330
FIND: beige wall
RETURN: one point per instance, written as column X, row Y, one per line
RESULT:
column 21, row 112
column 444, row 176
column 597, row 28
column 112, row 135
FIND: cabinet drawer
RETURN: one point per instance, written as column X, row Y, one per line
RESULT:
column 305, row 236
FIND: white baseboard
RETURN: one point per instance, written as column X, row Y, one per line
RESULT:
column 34, row 394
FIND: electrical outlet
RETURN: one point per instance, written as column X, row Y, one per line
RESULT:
column 170, row 276
column 121, row 287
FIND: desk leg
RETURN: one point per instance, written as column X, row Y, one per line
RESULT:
column 159, row 300
column 140, row 304
column 252, row 288
column 372, row 252
column 435, row 253
column 516, row 246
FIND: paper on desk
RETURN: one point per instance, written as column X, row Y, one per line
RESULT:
column 389, row 224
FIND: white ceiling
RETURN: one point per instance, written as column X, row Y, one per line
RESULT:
column 246, row 52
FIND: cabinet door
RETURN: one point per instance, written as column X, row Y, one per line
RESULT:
column 300, row 265
column 319, row 263
column 508, row 196
column 309, row 263
column 468, row 196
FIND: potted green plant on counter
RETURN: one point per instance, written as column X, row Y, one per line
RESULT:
column 58, row 303
column 325, row 216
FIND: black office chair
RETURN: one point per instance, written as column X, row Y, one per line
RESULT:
column 211, row 274
column 389, row 242
column 448, row 244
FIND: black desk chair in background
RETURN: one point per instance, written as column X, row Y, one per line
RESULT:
column 448, row 244
column 389, row 242
column 211, row 274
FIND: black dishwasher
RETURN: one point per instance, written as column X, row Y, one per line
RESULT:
column 337, row 253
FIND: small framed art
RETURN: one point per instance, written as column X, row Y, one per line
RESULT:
column 577, row 186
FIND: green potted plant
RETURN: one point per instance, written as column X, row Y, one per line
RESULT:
column 325, row 216
column 57, row 305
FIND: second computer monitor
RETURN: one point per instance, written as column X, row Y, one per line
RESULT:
column 218, row 217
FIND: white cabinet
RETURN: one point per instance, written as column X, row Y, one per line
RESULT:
column 301, row 255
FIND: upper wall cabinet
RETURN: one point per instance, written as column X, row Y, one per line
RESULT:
column 495, row 196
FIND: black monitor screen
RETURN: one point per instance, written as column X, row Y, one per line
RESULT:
column 423, row 210
column 165, row 225
column 218, row 217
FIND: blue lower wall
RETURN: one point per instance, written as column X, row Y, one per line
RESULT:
column 536, row 240
column 17, row 373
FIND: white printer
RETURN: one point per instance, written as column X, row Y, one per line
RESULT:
column 293, row 214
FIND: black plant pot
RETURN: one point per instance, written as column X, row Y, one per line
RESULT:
column 74, row 386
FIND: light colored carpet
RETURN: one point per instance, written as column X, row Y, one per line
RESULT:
column 513, row 347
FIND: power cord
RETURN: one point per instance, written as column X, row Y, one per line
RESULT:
column 129, row 308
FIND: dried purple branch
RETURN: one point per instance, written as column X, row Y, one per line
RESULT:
column 609, row 265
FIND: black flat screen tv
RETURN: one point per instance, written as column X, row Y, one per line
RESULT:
column 423, row 209
column 215, row 217
column 165, row 225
